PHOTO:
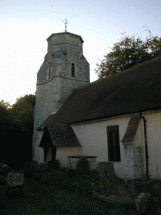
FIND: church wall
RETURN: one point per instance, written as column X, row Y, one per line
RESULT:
column 93, row 138
column 153, row 124
column 49, row 154
column 38, row 153
column 62, row 154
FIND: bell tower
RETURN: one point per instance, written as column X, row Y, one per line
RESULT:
column 64, row 69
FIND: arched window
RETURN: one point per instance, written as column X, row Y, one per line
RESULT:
column 73, row 70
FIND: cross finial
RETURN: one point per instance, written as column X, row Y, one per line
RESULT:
column 66, row 22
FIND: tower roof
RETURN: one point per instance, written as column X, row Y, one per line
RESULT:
column 67, row 33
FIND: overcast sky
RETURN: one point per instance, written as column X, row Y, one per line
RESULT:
column 26, row 24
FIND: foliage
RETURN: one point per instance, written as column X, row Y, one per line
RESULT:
column 24, row 120
column 127, row 52
column 4, row 109
column 16, row 131
column 23, row 103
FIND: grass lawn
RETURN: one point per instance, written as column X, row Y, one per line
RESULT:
column 43, row 199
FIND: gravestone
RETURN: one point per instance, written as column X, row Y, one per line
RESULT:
column 15, row 179
column 82, row 166
column 14, row 182
column 144, row 203
column 106, row 169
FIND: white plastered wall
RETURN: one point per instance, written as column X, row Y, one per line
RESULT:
column 93, row 138
column 62, row 154
column 153, row 119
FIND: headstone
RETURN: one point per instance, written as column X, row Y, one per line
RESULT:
column 82, row 166
column 15, row 179
column 106, row 169
column 143, row 203
column 14, row 183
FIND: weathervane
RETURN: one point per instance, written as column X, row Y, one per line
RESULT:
column 65, row 22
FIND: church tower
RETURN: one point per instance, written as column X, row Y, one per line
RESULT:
column 64, row 69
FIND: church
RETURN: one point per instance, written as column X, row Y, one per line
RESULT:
column 116, row 119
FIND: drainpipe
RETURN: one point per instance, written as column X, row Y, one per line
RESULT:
column 146, row 147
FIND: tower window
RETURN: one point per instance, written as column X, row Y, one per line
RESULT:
column 49, row 71
column 73, row 70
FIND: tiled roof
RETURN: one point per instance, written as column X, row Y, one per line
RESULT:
column 60, row 135
column 135, row 90
column 131, row 128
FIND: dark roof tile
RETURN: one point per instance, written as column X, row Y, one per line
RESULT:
column 131, row 128
column 62, row 135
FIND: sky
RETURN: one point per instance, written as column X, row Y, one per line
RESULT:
column 26, row 24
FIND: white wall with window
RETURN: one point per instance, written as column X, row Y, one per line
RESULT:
column 103, row 139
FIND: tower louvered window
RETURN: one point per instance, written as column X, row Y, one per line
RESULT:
column 73, row 70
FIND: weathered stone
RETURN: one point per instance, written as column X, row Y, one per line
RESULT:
column 114, row 199
column 133, row 161
column 143, row 203
column 73, row 161
column 106, row 169
column 82, row 166
column 42, row 167
column 15, row 179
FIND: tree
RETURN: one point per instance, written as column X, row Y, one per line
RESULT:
column 16, row 123
column 4, row 109
column 23, row 103
column 6, row 121
column 129, row 51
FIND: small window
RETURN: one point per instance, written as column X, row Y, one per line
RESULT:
column 73, row 70
column 113, row 143
column 49, row 71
